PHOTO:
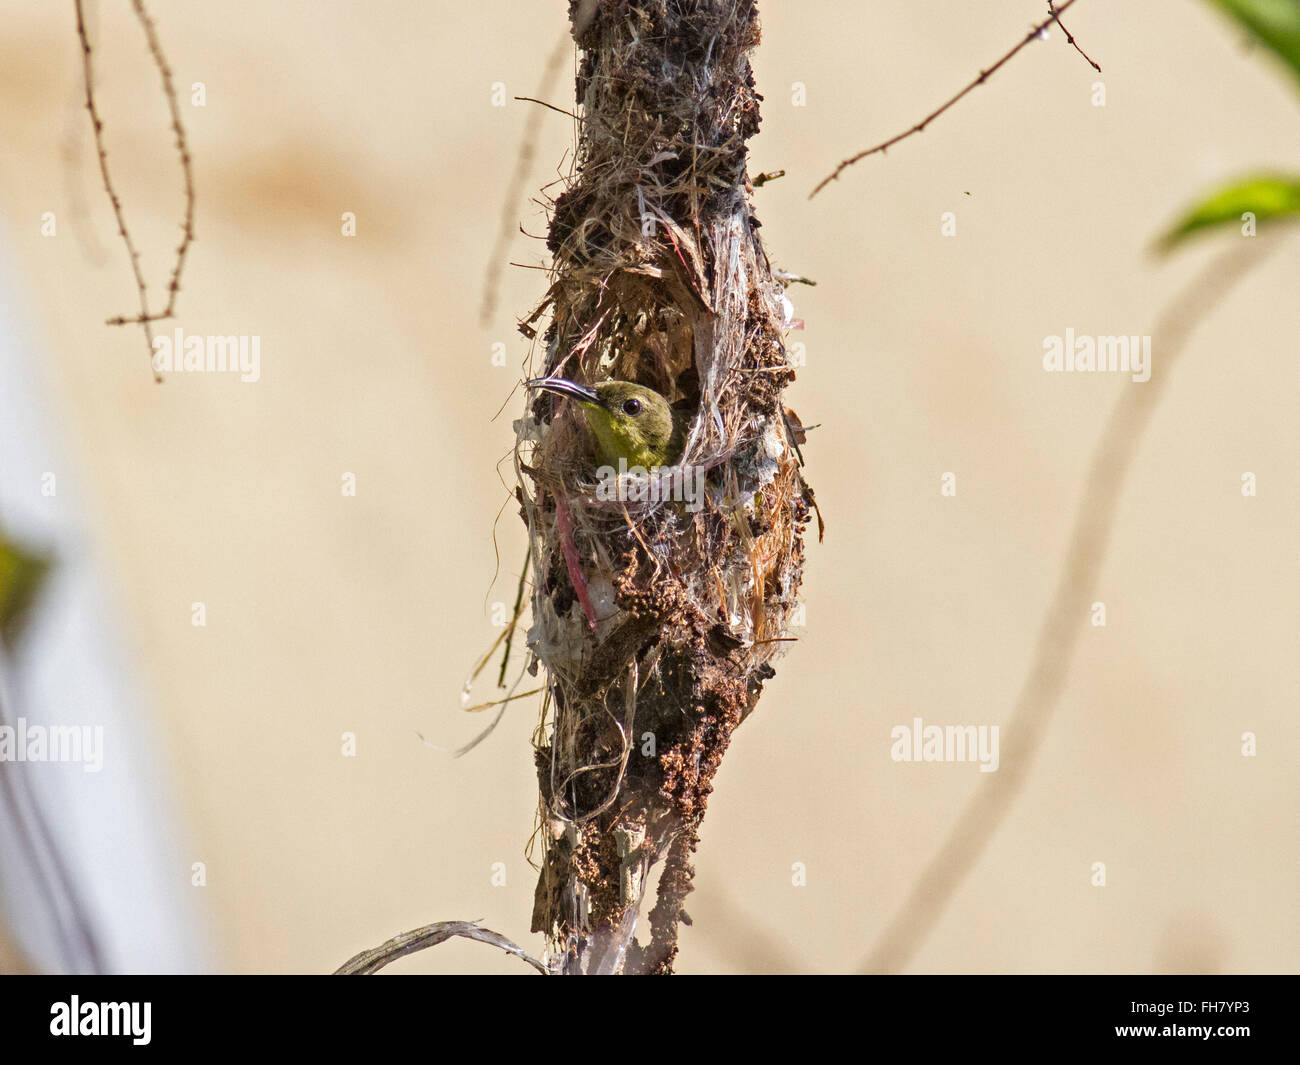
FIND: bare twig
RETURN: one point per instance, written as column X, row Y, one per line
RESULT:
column 145, row 318
column 499, row 702
column 984, row 76
column 182, row 148
column 514, row 618
column 1059, row 635
column 71, row 151
column 1070, row 37
column 560, row 110
column 98, row 126
column 371, row 961
column 523, row 165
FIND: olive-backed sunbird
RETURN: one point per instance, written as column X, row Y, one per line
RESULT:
column 630, row 422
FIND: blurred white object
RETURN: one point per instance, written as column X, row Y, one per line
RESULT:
column 113, row 827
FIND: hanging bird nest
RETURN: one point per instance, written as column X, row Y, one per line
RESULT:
column 656, row 619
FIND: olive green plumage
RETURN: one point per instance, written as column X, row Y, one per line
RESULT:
column 629, row 421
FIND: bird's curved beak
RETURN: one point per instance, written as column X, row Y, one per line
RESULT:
column 562, row 386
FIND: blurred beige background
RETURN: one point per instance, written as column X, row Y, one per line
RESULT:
column 329, row 614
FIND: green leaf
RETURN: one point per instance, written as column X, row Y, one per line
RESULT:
column 1274, row 23
column 1264, row 197
column 21, row 577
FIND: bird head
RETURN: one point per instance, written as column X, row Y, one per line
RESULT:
column 630, row 421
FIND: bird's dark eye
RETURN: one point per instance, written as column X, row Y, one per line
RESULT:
column 631, row 406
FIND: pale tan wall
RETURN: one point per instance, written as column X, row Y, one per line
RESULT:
column 329, row 614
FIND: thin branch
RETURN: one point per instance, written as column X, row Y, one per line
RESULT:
column 984, row 76
column 514, row 617
column 145, row 318
column 98, row 125
column 499, row 702
column 1070, row 37
column 523, row 165
column 182, row 148
column 1065, row 619
column 71, row 151
column 371, row 961
column 561, row 110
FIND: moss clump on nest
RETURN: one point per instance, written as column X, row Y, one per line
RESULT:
column 659, row 277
